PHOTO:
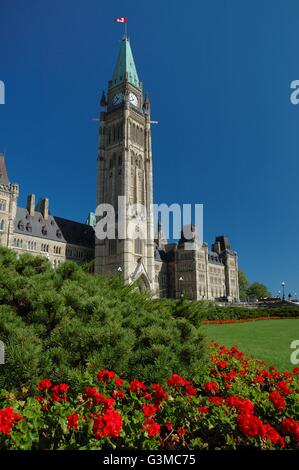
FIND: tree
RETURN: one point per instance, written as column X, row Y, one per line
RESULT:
column 243, row 285
column 258, row 290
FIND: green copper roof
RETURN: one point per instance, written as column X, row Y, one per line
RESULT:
column 91, row 219
column 125, row 64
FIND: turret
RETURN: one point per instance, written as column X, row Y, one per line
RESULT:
column 103, row 101
column 147, row 106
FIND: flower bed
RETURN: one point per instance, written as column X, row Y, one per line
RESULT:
column 245, row 320
column 234, row 403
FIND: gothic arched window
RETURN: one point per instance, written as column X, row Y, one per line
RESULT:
column 134, row 133
column 138, row 246
column 112, row 247
column 2, row 225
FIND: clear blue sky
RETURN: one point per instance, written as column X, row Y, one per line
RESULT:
column 218, row 75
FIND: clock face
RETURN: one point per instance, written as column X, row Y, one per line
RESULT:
column 133, row 99
column 118, row 98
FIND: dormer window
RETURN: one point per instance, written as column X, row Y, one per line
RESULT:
column 29, row 227
column 58, row 234
column 44, row 230
column 20, row 225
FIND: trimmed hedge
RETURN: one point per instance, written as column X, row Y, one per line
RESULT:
column 201, row 311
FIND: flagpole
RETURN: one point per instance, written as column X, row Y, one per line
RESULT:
column 125, row 29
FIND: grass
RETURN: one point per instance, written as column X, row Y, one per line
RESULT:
column 267, row 340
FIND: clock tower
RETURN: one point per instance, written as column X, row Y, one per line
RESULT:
column 124, row 169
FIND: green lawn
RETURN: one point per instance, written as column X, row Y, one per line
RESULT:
column 267, row 340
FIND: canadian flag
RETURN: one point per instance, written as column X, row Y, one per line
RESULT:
column 121, row 20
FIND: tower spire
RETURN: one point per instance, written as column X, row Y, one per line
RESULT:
column 125, row 65
column 3, row 171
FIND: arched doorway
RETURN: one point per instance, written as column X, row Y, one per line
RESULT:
column 142, row 283
column 140, row 278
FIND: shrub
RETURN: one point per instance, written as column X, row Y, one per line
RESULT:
column 58, row 322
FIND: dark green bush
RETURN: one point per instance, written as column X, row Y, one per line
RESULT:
column 58, row 322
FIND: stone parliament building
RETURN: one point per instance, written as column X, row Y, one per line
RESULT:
column 124, row 168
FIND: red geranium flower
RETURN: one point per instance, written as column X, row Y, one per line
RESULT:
column 72, row 421
column 221, row 364
column 97, row 398
column 44, row 384
column 290, row 427
column 258, row 379
column 211, row 388
column 159, row 394
column 272, row 435
column 181, row 431
column 105, row 375
column 250, row 425
column 203, row 410
column 137, row 386
column 119, row 382
column 107, row 425
column 216, row 400
column 283, row 388
column 277, row 400
column 241, row 404
column 151, row 427
column 118, row 394
column 149, row 410
column 92, row 392
column 168, row 426
column 147, row 396
column 8, row 419
column 57, row 392
column 176, row 381
column 190, row 391
column 63, row 388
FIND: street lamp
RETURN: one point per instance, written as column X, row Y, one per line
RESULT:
column 283, row 295
column 224, row 292
column 119, row 270
column 180, row 280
